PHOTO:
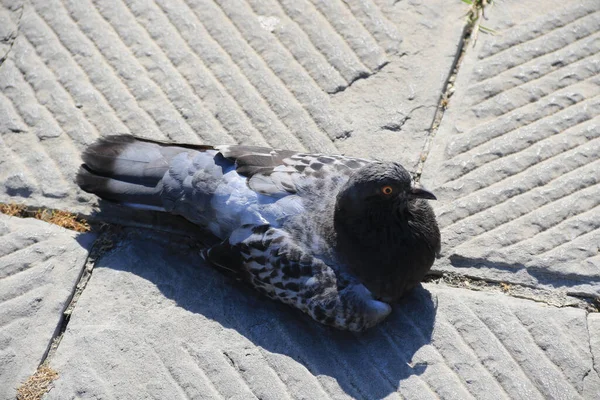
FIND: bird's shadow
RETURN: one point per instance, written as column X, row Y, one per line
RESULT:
column 366, row 365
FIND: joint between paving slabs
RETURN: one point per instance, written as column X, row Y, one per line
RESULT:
column 443, row 103
column 61, row 218
column 549, row 297
column 104, row 243
column 12, row 38
column 40, row 382
column 595, row 363
column 468, row 36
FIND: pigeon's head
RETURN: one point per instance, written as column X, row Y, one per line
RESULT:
column 378, row 189
column 385, row 229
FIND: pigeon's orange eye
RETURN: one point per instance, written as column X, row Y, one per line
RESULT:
column 387, row 190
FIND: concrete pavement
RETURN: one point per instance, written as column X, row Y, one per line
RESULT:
column 513, row 161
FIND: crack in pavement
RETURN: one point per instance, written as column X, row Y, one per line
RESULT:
column 12, row 38
column 447, row 92
column 397, row 126
column 359, row 77
column 514, row 290
column 104, row 243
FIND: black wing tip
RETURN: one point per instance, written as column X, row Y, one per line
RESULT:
column 81, row 174
column 88, row 180
column 109, row 141
column 105, row 146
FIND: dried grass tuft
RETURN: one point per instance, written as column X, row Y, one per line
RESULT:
column 64, row 219
column 38, row 384
column 13, row 209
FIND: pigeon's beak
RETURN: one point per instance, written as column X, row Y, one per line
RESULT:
column 422, row 193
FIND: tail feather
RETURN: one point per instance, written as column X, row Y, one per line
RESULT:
column 126, row 170
column 124, row 157
column 119, row 191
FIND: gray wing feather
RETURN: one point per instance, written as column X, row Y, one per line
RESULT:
column 145, row 162
column 270, row 261
column 199, row 182
column 281, row 172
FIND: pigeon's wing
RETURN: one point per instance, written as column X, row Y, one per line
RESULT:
column 130, row 169
column 281, row 172
column 269, row 260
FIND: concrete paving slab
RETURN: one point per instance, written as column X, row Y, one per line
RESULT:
column 40, row 264
column 513, row 164
column 155, row 322
column 515, row 161
column 330, row 76
column 594, row 329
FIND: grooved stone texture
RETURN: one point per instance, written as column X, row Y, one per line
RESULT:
column 326, row 76
column 40, row 264
column 515, row 165
column 594, row 328
column 517, row 158
column 155, row 322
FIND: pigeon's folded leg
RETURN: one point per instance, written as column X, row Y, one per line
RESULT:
column 272, row 262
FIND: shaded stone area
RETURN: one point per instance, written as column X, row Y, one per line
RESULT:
column 155, row 321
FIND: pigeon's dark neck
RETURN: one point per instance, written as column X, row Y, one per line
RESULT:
column 389, row 251
column 376, row 226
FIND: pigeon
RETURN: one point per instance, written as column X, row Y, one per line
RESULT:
column 339, row 238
